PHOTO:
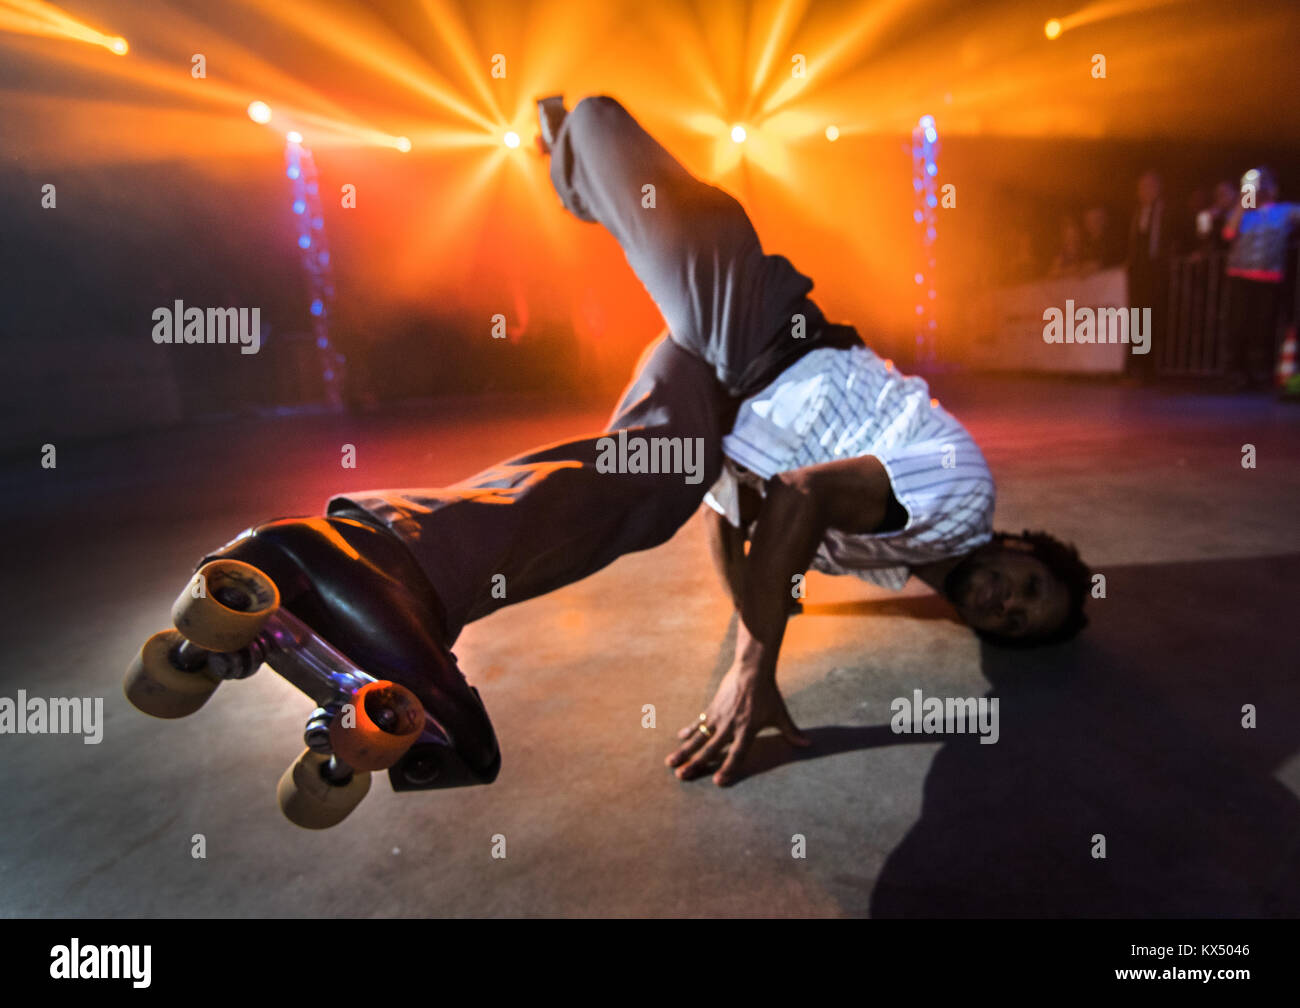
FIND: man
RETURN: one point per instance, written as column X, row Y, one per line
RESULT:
column 1099, row 251
column 392, row 576
column 1258, row 230
column 1150, row 241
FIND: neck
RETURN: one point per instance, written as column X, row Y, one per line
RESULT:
column 936, row 574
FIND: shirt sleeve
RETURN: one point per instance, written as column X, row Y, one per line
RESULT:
column 945, row 486
column 724, row 496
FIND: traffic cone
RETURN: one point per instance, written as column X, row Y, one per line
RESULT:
column 1288, row 381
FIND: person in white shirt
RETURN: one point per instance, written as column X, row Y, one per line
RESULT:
column 807, row 445
column 844, row 466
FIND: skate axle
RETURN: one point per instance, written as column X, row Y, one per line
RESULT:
column 336, row 772
column 316, row 736
column 187, row 656
column 236, row 664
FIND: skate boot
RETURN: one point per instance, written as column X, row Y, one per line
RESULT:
column 339, row 607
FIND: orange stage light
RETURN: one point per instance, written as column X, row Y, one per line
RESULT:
column 32, row 17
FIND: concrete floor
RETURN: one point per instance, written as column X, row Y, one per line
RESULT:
column 1132, row 732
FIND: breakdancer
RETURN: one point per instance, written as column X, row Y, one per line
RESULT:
column 812, row 452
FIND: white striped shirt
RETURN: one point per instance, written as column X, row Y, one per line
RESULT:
column 834, row 404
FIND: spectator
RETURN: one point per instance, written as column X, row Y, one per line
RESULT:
column 1148, row 248
column 1099, row 249
column 1258, row 228
column 1069, row 260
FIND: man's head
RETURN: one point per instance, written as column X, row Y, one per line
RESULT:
column 1261, row 184
column 1148, row 188
column 1071, row 236
column 1021, row 590
column 1094, row 223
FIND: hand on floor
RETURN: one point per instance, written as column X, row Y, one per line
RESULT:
column 747, row 701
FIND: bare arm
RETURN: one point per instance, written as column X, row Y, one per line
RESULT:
column 727, row 549
column 853, row 495
column 727, row 542
column 790, row 526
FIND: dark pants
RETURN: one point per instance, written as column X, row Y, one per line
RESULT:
column 1253, row 307
column 736, row 319
column 1148, row 287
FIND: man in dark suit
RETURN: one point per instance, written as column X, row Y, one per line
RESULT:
column 1149, row 243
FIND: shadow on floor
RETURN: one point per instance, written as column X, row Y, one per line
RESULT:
column 926, row 607
column 1134, row 731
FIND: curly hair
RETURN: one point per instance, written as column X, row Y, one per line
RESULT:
column 1067, row 566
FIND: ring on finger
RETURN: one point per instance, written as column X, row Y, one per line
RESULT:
column 703, row 727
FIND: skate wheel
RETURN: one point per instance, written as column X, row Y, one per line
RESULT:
column 156, row 686
column 308, row 800
column 387, row 719
column 236, row 601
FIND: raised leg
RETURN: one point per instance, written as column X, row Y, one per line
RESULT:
column 691, row 244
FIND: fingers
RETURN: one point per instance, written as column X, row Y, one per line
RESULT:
column 698, row 751
column 694, row 739
column 790, row 731
column 739, row 750
column 708, row 754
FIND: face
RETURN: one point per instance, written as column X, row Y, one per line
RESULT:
column 1148, row 188
column 1006, row 590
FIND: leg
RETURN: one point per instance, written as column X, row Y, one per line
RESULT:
column 1141, row 294
column 1265, row 344
column 690, row 244
column 1236, row 359
column 391, row 577
column 552, row 517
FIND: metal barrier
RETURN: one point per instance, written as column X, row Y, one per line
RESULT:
column 1197, row 331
